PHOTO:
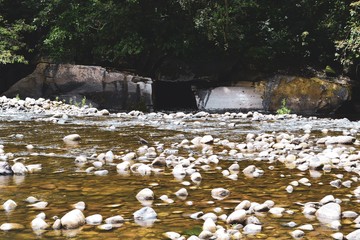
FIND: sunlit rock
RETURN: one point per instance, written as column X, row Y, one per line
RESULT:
column 73, row 219
column 19, row 169
column 220, row 193
column 9, row 205
column 145, row 213
column 5, row 168
column 145, row 194
column 114, row 220
column 11, row 226
column 238, row 216
column 72, row 138
column 95, row 219
column 328, row 212
column 209, row 225
column 252, row 229
column 39, row 224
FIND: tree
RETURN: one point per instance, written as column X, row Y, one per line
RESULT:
column 11, row 44
column 348, row 48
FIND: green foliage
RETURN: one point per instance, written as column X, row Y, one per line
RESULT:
column 11, row 40
column 83, row 101
column 17, row 97
column 283, row 109
column 348, row 49
column 133, row 32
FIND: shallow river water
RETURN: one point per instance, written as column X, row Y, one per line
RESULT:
column 62, row 183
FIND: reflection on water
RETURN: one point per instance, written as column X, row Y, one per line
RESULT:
column 63, row 183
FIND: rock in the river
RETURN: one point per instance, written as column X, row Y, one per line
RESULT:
column 182, row 193
column 297, row 234
column 252, row 229
column 19, row 169
column 238, row 216
column 39, row 224
column 209, row 225
column 172, row 235
column 73, row 219
column 95, row 219
column 57, row 224
column 72, row 138
column 80, row 205
column 145, row 194
column 9, row 205
column 114, row 220
column 145, row 213
column 5, row 168
column 11, row 226
column 207, row 139
column 354, row 235
column 220, row 193
column 336, row 140
column 328, row 212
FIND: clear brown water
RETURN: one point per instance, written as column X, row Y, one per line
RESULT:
column 62, row 183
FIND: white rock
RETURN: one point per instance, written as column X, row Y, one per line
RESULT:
column 238, row 216
column 209, row 225
column 72, row 138
column 297, row 234
column 207, row 139
column 38, row 224
column 11, row 226
column 337, row 236
column 19, row 169
column 39, row 205
column 277, row 210
column 220, row 193
column 80, row 205
column 105, row 227
column 145, row 194
column 252, row 229
column 196, row 177
column 123, row 167
column 95, row 219
column 307, row 227
column 145, row 213
column 9, row 205
column 31, row 199
column 129, row 156
column 114, row 220
column 101, row 172
column 81, row 159
column 182, row 193
column 327, row 199
column 354, row 235
column 57, row 224
column 172, row 235
column 109, row 156
column 73, row 219
column 41, row 215
column 330, row 211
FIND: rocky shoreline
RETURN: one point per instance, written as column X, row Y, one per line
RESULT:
column 304, row 152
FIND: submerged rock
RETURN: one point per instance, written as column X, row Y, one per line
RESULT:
column 145, row 213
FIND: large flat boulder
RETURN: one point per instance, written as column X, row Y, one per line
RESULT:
column 102, row 88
